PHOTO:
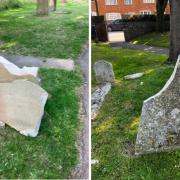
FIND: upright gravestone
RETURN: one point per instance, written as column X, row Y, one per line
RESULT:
column 104, row 72
column 42, row 7
column 159, row 128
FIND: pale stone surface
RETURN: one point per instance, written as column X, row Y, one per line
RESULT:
column 22, row 106
column 94, row 161
column 10, row 72
column 104, row 72
column 159, row 128
column 42, row 62
column 134, row 76
column 2, row 124
column 97, row 98
column 116, row 36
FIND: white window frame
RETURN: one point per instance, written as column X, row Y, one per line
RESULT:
column 113, row 16
column 111, row 2
column 148, row 1
column 128, row 2
column 145, row 12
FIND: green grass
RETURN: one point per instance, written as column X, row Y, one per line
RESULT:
column 115, row 128
column 154, row 39
column 53, row 153
column 56, row 35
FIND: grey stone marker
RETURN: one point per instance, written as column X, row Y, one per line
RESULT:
column 159, row 129
column 104, row 72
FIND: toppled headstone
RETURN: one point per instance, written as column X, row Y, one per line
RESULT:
column 159, row 129
column 10, row 72
column 97, row 98
column 104, row 72
column 134, row 76
column 22, row 106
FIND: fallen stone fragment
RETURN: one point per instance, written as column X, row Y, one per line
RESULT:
column 41, row 62
column 134, row 76
column 104, row 72
column 10, row 72
column 22, row 106
column 2, row 124
column 94, row 161
column 97, row 98
column 159, row 128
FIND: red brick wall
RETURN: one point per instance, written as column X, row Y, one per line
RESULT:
column 136, row 7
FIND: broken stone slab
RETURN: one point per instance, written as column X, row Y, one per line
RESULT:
column 98, row 97
column 41, row 62
column 10, row 72
column 134, row 76
column 104, row 72
column 22, row 106
column 159, row 128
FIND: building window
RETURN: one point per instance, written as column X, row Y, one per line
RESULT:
column 111, row 2
column 145, row 12
column 128, row 2
column 112, row 16
column 149, row 1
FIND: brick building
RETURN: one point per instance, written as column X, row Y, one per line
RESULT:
column 115, row 9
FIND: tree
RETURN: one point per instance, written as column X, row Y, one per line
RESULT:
column 42, row 7
column 97, row 7
column 174, row 30
column 160, row 8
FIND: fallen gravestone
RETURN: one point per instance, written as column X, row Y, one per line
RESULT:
column 104, row 72
column 10, row 72
column 22, row 106
column 21, row 100
column 159, row 129
column 98, row 98
column 134, row 76
column 105, row 77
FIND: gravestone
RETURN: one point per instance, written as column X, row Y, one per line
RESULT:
column 22, row 100
column 104, row 72
column 22, row 106
column 98, row 97
column 159, row 128
column 10, row 72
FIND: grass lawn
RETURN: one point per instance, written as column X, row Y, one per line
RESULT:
column 114, row 129
column 53, row 153
column 56, row 35
column 154, row 39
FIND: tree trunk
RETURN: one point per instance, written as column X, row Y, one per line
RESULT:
column 160, row 8
column 97, row 7
column 42, row 7
column 174, row 30
column 160, row 18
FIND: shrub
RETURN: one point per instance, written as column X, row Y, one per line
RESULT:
column 8, row 4
column 142, row 18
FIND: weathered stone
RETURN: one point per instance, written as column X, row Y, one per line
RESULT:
column 134, row 76
column 22, row 106
column 94, row 161
column 104, row 72
column 97, row 98
column 10, row 72
column 159, row 129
